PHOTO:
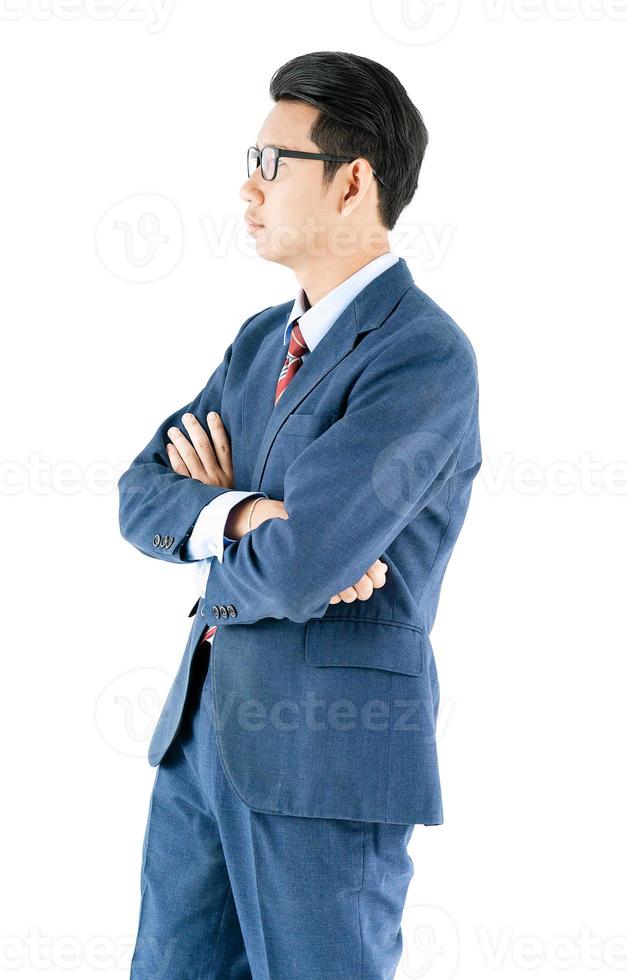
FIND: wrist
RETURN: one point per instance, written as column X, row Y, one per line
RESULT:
column 263, row 509
column 251, row 510
column 258, row 510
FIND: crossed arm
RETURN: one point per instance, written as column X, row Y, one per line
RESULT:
column 209, row 461
column 408, row 418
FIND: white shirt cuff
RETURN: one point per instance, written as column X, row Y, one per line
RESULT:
column 207, row 538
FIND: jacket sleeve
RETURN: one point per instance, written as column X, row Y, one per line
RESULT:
column 352, row 491
column 158, row 507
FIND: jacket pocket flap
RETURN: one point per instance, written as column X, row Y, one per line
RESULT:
column 364, row 643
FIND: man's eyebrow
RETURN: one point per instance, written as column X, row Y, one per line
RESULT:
column 279, row 146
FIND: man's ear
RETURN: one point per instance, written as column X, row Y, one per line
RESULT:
column 358, row 184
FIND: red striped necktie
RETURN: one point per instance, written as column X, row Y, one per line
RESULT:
column 293, row 360
column 297, row 348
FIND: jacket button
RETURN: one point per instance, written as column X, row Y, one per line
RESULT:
column 215, row 611
column 156, row 540
column 202, row 609
column 223, row 612
column 232, row 611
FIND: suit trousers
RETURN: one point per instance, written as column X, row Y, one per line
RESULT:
column 231, row 892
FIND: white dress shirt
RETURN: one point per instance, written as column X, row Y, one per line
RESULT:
column 207, row 539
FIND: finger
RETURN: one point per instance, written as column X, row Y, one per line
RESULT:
column 176, row 462
column 377, row 577
column 348, row 595
column 377, row 573
column 203, row 449
column 187, row 453
column 364, row 587
column 221, row 443
column 378, row 565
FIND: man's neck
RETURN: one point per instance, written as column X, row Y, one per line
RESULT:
column 321, row 276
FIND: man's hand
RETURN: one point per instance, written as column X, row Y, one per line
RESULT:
column 204, row 459
column 373, row 579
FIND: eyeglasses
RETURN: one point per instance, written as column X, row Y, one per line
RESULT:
column 269, row 157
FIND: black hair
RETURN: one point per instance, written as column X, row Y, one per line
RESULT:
column 364, row 111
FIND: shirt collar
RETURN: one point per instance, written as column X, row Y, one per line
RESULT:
column 314, row 321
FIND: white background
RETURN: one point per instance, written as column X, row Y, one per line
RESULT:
column 518, row 231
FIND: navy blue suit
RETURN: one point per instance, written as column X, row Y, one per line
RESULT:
column 317, row 710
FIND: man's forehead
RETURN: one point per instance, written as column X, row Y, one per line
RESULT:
column 285, row 141
column 287, row 126
column 272, row 139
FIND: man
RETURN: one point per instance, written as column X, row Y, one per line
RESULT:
column 296, row 748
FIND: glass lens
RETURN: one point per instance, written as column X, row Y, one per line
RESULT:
column 252, row 160
column 269, row 160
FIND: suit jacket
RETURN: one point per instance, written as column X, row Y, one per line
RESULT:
column 326, row 710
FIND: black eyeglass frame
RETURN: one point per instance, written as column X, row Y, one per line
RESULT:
column 297, row 154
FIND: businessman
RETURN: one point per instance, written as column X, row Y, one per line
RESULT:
column 296, row 749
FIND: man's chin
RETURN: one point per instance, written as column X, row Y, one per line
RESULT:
column 264, row 251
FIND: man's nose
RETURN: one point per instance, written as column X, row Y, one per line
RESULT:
column 250, row 191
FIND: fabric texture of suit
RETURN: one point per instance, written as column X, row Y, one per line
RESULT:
column 229, row 892
column 327, row 710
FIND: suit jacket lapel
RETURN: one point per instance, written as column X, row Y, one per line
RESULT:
column 366, row 312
